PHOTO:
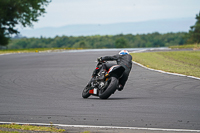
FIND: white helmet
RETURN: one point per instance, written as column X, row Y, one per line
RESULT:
column 123, row 52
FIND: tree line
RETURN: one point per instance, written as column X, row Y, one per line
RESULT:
column 107, row 41
column 25, row 12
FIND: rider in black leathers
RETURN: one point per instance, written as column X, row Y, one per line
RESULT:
column 124, row 59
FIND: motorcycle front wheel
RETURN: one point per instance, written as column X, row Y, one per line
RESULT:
column 85, row 93
column 108, row 91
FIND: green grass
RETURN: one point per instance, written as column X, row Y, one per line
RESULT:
column 189, row 46
column 30, row 128
column 36, row 50
column 9, row 132
column 182, row 62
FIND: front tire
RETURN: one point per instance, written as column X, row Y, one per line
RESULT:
column 85, row 93
column 105, row 94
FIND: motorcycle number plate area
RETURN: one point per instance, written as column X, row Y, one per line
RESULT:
column 93, row 91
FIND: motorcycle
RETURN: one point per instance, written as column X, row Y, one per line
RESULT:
column 103, row 82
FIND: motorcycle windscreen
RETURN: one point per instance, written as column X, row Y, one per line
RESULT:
column 116, row 70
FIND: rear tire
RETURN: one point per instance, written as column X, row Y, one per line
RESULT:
column 110, row 89
column 85, row 93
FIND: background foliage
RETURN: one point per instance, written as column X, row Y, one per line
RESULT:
column 108, row 41
column 14, row 12
column 24, row 12
column 194, row 32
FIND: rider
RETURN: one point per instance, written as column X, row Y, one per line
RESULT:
column 124, row 59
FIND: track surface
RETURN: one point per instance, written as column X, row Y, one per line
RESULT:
column 47, row 87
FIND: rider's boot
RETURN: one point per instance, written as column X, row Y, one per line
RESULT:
column 120, row 87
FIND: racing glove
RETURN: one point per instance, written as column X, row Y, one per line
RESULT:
column 99, row 59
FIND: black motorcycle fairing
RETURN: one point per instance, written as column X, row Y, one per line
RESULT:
column 116, row 71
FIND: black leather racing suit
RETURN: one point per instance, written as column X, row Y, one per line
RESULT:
column 123, row 60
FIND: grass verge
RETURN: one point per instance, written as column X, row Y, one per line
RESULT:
column 36, row 50
column 29, row 128
column 182, row 62
column 190, row 46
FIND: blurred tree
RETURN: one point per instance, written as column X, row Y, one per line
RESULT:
column 82, row 44
column 194, row 32
column 14, row 12
column 121, row 43
column 133, row 41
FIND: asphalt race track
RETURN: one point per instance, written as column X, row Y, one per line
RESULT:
column 47, row 87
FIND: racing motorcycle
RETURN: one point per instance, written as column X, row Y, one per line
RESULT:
column 103, row 82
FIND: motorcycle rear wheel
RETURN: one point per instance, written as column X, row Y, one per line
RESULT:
column 112, row 86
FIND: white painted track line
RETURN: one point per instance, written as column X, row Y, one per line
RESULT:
column 161, row 71
column 108, row 127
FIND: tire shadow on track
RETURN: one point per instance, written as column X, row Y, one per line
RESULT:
column 120, row 98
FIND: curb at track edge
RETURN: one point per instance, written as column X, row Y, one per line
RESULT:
column 108, row 127
column 161, row 71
